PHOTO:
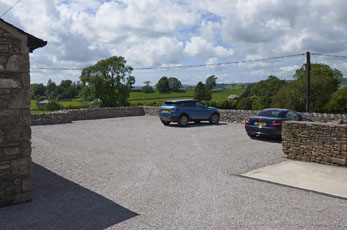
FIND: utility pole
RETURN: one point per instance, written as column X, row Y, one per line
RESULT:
column 308, row 81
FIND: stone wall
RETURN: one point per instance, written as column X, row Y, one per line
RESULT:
column 60, row 117
column 227, row 115
column 315, row 142
column 88, row 114
column 67, row 116
column 151, row 110
column 232, row 115
column 15, row 132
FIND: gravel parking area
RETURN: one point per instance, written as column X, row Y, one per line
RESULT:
column 135, row 173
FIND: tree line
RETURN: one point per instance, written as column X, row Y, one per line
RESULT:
column 65, row 90
column 326, row 94
column 110, row 81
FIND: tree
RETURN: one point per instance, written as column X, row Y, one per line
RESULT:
column 290, row 96
column 52, row 106
column 324, row 82
column 174, row 84
column 264, row 91
column 65, row 83
column 109, row 80
column 147, row 88
column 37, row 91
column 244, row 103
column 338, row 102
column 163, row 85
column 211, row 81
column 51, row 89
column 202, row 92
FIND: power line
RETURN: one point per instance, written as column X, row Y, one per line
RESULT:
column 10, row 8
column 329, row 55
column 187, row 66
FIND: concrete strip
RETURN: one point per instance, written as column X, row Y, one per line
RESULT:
column 321, row 178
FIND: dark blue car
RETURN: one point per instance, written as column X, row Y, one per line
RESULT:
column 268, row 122
column 183, row 111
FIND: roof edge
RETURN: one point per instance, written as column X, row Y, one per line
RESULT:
column 33, row 42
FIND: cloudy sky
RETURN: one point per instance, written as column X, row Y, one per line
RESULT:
column 166, row 33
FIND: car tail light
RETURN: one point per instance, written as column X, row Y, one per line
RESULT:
column 276, row 123
column 247, row 122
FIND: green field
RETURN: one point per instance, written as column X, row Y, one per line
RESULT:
column 138, row 98
column 67, row 104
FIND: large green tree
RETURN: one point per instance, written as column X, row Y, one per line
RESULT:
column 51, row 89
column 324, row 82
column 338, row 102
column 163, row 85
column 211, row 81
column 109, row 80
column 174, row 84
column 290, row 96
column 147, row 88
column 37, row 91
column 202, row 92
column 264, row 90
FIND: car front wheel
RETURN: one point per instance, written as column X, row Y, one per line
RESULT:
column 214, row 119
column 183, row 121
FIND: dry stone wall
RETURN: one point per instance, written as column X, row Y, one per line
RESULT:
column 67, row 116
column 60, row 117
column 315, row 142
column 15, row 132
column 227, row 115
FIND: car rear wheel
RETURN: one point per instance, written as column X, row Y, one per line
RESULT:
column 166, row 123
column 214, row 119
column 183, row 121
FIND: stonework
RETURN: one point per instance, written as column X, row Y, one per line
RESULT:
column 67, row 116
column 324, row 143
column 227, row 115
column 15, row 119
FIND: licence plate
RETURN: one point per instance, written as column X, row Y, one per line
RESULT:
column 260, row 123
column 165, row 110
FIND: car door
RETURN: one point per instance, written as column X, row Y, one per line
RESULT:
column 189, row 107
column 202, row 111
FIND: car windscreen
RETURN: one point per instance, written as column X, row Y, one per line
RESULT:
column 271, row 113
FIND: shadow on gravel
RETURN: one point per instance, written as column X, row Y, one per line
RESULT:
column 62, row 204
column 194, row 125
column 267, row 139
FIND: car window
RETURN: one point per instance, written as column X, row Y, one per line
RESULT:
column 191, row 103
column 199, row 104
column 270, row 113
column 183, row 104
column 170, row 103
column 293, row 115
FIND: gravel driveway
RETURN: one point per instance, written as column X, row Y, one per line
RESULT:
column 135, row 173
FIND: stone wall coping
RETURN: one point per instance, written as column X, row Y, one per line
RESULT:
column 310, row 123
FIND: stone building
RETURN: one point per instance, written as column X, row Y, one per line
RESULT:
column 15, row 132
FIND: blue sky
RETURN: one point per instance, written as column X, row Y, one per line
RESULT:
column 157, row 33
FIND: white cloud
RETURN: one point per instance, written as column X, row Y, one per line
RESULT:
column 208, row 30
column 153, row 52
column 156, row 33
column 211, row 64
column 200, row 48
